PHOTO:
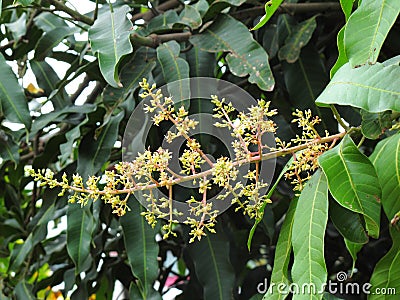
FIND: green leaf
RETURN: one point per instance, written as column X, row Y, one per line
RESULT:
column 12, row 99
column 342, row 58
column 367, row 29
column 174, row 68
column 48, row 79
column 347, row 7
column 141, row 248
column 269, row 195
column 213, row 268
column 392, row 61
column 348, row 223
column 25, row 2
column 299, row 37
column 51, row 39
column 283, row 250
column 245, row 57
column 80, row 226
column 199, row 62
column 8, row 148
column 353, row 249
column 386, row 159
column 386, row 274
column 305, row 79
column 131, row 74
column 270, row 8
column 110, row 39
column 18, row 28
column 93, row 153
column 23, row 291
column 190, row 17
column 217, row 6
column 310, row 219
column 353, row 182
column 47, row 21
column 371, row 87
column 374, row 124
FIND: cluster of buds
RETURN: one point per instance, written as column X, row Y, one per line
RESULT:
column 151, row 169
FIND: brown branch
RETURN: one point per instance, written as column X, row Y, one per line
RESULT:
column 73, row 13
column 148, row 15
column 153, row 40
column 289, row 8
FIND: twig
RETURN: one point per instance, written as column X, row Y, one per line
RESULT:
column 73, row 13
column 154, row 40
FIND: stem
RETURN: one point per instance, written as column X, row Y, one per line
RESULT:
column 154, row 40
column 339, row 118
column 148, row 15
column 208, row 172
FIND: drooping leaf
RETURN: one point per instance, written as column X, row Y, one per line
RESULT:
column 386, row 274
column 93, row 153
column 217, row 6
column 348, row 223
column 110, row 40
column 282, row 256
column 304, row 80
column 369, row 87
column 269, row 195
column 190, row 17
column 245, row 57
column 347, row 7
column 212, row 265
column 18, row 28
column 374, row 124
column 342, row 58
column 132, row 73
column 141, row 248
column 270, row 8
column 353, row 249
column 47, row 79
column 367, row 29
column 8, row 148
column 353, row 182
column 386, row 159
column 299, row 37
column 12, row 100
column 309, row 224
column 80, row 226
column 174, row 68
column 23, row 290
column 51, row 39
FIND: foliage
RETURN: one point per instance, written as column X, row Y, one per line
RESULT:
column 66, row 98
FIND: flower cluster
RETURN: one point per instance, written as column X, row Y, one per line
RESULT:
column 151, row 170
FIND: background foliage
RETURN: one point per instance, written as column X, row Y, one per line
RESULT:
column 308, row 55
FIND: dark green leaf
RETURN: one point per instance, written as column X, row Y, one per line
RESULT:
column 309, row 224
column 387, row 273
column 23, row 291
column 348, row 223
column 110, row 40
column 51, row 39
column 386, row 159
column 141, row 248
column 245, row 57
column 190, row 17
column 299, row 37
column 93, row 153
column 370, row 87
column 282, row 256
column 374, row 124
column 199, row 62
column 47, row 21
column 353, row 182
column 217, row 6
column 8, row 148
column 12, row 100
column 80, row 226
column 353, row 249
column 367, row 29
column 48, row 79
column 174, row 68
column 212, row 265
